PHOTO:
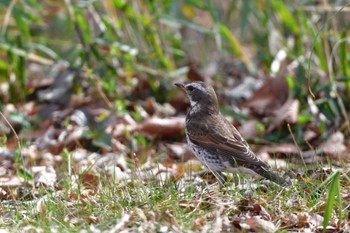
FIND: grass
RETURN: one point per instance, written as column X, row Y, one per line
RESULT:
column 117, row 46
column 147, row 205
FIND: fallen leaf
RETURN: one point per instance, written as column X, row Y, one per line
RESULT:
column 260, row 210
column 9, row 182
column 310, row 135
column 334, row 148
column 154, row 108
column 303, row 219
column 94, row 219
column 289, row 220
column 163, row 128
column 315, row 110
column 73, row 196
column 248, row 129
column 4, row 195
column 288, row 112
column 245, row 89
column 118, row 174
column 198, row 223
column 334, row 145
column 179, row 101
column 282, row 149
column 193, row 73
column 141, row 215
column 178, row 152
column 259, row 225
column 121, row 223
column 45, row 177
column 171, row 218
column 90, row 181
column 41, row 206
column 270, row 97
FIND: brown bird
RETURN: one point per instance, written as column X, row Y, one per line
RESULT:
column 216, row 142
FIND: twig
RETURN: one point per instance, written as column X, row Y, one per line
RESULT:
column 325, row 9
column 296, row 144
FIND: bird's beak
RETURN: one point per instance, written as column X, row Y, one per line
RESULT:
column 181, row 85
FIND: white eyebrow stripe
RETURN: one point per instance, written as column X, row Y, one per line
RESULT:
column 199, row 86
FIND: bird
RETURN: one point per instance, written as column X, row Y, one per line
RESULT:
column 215, row 141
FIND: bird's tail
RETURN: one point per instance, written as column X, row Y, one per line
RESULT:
column 272, row 176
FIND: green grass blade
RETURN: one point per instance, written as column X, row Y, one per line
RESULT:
column 324, row 184
column 345, row 66
column 319, row 52
column 343, row 55
column 286, row 16
column 21, row 69
column 23, row 53
column 333, row 191
column 235, row 47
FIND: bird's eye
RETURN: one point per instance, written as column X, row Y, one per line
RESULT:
column 190, row 88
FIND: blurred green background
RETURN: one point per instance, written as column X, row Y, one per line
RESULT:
column 131, row 50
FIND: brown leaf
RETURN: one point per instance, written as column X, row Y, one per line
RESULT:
column 142, row 89
column 163, row 128
column 303, row 219
column 171, row 218
column 198, row 223
column 282, row 148
column 4, row 195
column 271, row 96
column 73, row 196
column 179, row 101
column 151, row 107
column 94, row 219
column 260, row 210
column 289, row 220
column 288, row 112
column 90, row 181
column 193, row 74
column 178, row 152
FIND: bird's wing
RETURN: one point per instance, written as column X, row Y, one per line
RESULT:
column 232, row 146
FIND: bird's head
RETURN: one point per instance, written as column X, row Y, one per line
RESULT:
column 200, row 95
